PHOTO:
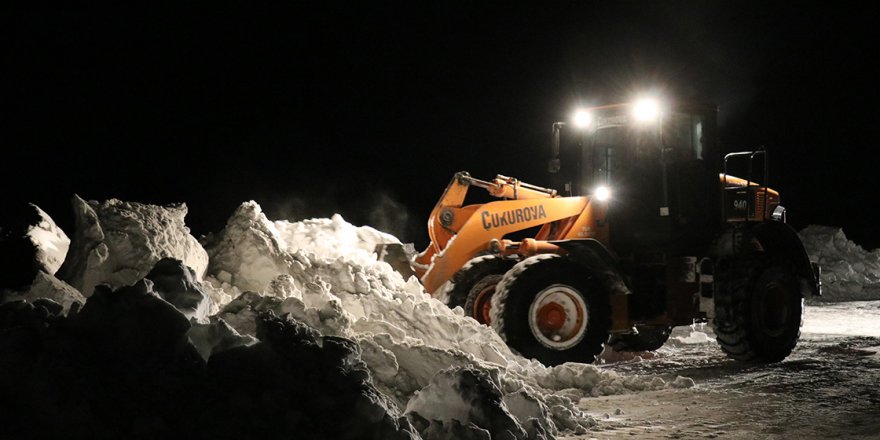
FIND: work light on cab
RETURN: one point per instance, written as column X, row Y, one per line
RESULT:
column 646, row 110
column 602, row 193
column 582, row 119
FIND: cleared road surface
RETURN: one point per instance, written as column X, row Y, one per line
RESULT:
column 828, row 388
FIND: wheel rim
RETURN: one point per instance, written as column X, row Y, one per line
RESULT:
column 774, row 308
column 483, row 305
column 558, row 317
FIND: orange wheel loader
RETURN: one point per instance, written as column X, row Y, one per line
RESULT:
column 647, row 231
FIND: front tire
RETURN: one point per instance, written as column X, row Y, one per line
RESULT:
column 758, row 310
column 551, row 309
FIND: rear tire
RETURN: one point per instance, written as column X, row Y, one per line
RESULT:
column 758, row 310
column 479, row 300
column 470, row 275
column 648, row 339
column 551, row 309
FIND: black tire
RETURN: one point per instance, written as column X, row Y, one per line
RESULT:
column 472, row 273
column 648, row 339
column 538, row 279
column 758, row 310
column 479, row 300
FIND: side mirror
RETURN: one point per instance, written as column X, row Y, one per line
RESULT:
column 553, row 165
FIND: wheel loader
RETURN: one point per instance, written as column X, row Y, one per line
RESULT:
column 647, row 230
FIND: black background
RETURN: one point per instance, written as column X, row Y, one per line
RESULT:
column 368, row 108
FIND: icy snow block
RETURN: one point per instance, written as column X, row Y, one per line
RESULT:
column 532, row 413
column 136, row 322
column 117, row 243
column 296, row 384
column 241, row 313
column 46, row 286
column 177, row 284
column 215, row 337
column 30, row 242
column 457, row 398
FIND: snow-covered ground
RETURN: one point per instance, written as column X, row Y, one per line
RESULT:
column 856, row 318
column 827, row 388
column 305, row 306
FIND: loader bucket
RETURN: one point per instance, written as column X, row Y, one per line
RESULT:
column 398, row 256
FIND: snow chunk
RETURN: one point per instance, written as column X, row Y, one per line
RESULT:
column 693, row 334
column 682, row 382
column 177, row 284
column 50, row 241
column 30, row 242
column 532, row 412
column 215, row 337
column 46, row 286
column 849, row 272
column 463, row 397
column 117, row 243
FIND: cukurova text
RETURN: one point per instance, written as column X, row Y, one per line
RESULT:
column 513, row 216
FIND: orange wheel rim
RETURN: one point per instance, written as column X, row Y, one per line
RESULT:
column 483, row 305
column 559, row 316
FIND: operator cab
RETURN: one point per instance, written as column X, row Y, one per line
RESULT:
column 657, row 166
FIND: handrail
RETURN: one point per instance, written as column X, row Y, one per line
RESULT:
column 760, row 151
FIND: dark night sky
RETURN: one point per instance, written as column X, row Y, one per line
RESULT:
column 368, row 110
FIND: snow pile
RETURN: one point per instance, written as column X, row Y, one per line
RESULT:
column 117, row 243
column 323, row 272
column 252, row 251
column 849, row 272
column 296, row 328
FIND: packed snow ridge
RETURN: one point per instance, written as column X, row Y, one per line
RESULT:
column 849, row 272
column 303, row 309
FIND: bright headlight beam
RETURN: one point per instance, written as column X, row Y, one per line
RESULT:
column 582, row 119
column 602, row 193
column 646, row 110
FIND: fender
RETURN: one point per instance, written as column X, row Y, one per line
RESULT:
column 588, row 251
column 781, row 239
column 591, row 253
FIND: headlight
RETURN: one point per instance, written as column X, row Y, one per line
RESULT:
column 646, row 110
column 602, row 193
column 582, row 119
